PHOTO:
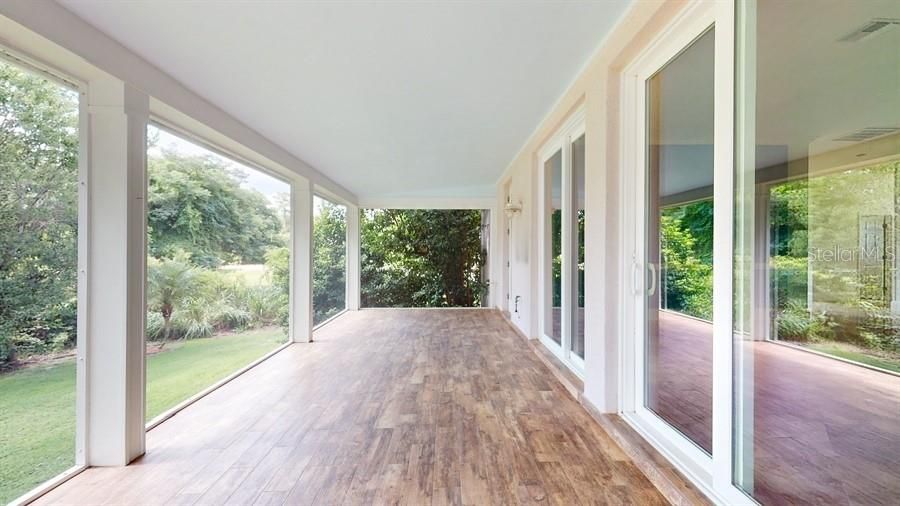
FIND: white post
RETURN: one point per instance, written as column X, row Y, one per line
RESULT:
column 114, row 273
column 301, row 262
column 353, row 269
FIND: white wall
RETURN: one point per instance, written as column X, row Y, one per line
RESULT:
column 522, row 249
column 597, row 90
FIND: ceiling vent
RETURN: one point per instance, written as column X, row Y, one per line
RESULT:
column 870, row 28
column 867, row 133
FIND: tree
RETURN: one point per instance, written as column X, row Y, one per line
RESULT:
column 197, row 205
column 686, row 242
column 412, row 257
column 38, row 212
column 329, row 260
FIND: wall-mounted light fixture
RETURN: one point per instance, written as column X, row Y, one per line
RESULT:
column 512, row 209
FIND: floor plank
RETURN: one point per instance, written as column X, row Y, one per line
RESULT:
column 386, row 407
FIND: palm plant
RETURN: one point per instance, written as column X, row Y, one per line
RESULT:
column 169, row 284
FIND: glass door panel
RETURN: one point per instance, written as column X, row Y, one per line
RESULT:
column 577, row 342
column 553, row 320
column 817, row 280
column 678, row 326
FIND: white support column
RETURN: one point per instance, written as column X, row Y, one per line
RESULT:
column 353, row 269
column 113, row 279
column 301, row 262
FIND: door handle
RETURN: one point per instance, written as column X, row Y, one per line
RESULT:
column 652, row 289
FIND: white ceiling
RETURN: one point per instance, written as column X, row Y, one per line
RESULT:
column 390, row 99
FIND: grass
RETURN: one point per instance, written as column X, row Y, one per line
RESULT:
column 37, row 427
column 37, row 405
column 252, row 274
column 856, row 354
column 178, row 373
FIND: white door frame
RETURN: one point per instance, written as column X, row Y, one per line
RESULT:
column 560, row 142
column 712, row 474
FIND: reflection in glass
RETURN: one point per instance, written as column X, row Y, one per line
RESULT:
column 817, row 283
column 679, row 242
column 578, row 171
column 553, row 173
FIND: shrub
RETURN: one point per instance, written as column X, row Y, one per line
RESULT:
column 796, row 323
column 790, row 277
column 26, row 345
column 194, row 320
column 278, row 264
column 155, row 326
column 226, row 317
column 878, row 327
column 61, row 341
column 264, row 303
column 202, row 302
column 7, row 350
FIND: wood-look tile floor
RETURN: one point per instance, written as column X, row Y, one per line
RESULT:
column 387, row 407
column 825, row 431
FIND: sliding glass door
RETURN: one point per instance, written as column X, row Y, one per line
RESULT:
column 562, row 186
column 679, row 236
column 577, row 253
column 817, row 294
column 762, row 222
column 553, row 168
column 672, row 185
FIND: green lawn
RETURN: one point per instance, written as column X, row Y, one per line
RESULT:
column 37, row 427
column 252, row 274
column 176, row 374
column 37, row 405
column 856, row 354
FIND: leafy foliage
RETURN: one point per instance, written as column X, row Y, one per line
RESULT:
column 199, row 216
column 686, row 237
column 170, row 284
column 187, row 302
column 556, row 257
column 329, row 260
column 880, row 328
column 818, row 292
column 278, row 264
column 196, row 204
column 421, row 258
column 38, row 213
column 796, row 323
